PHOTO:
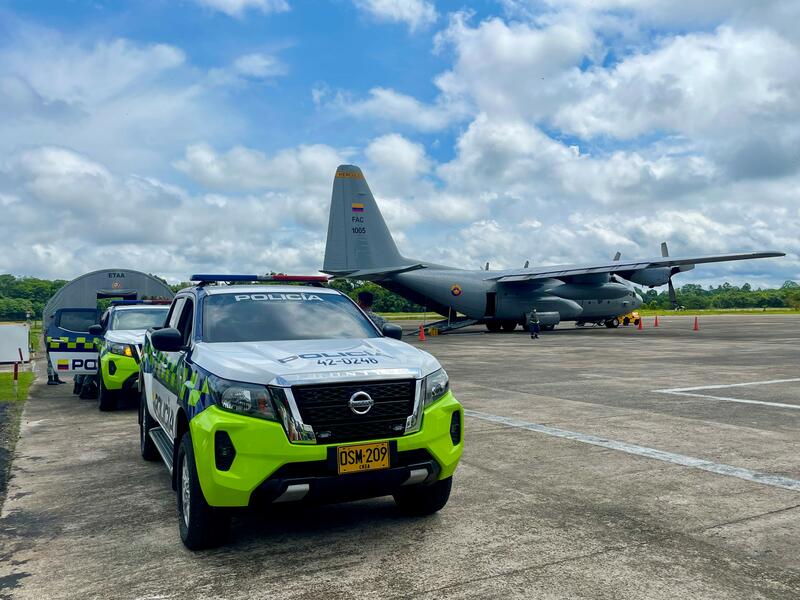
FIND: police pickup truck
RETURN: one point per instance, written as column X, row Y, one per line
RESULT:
column 260, row 394
column 121, row 333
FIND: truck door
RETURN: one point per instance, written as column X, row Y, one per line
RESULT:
column 166, row 383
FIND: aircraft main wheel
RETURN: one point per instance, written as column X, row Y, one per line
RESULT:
column 548, row 327
column 580, row 324
column 612, row 323
column 493, row 326
column 509, row 326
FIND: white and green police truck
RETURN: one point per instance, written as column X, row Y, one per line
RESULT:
column 261, row 394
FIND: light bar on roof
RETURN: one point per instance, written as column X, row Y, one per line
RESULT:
column 277, row 277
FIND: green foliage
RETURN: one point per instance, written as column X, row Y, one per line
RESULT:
column 726, row 296
column 19, row 295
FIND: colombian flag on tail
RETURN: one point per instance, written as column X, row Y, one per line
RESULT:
column 357, row 207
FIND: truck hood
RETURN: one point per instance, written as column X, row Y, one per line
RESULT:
column 287, row 362
column 126, row 336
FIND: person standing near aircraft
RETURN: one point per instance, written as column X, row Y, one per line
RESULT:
column 365, row 301
column 533, row 324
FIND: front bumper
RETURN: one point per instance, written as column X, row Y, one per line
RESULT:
column 266, row 464
column 119, row 372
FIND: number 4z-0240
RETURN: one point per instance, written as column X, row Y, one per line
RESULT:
column 364, row 457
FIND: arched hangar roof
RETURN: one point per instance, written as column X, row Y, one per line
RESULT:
column 83, row 291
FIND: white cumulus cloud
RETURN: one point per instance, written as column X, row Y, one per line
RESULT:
column 416, row 14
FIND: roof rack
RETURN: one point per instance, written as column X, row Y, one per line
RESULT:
column 277, row 278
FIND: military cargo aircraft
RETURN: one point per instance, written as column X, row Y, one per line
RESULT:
column 359, row 246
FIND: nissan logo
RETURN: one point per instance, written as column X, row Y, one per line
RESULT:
column 361, row 403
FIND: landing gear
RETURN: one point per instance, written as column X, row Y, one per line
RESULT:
column 509, row 326
column 612, row 323
column 494, row 326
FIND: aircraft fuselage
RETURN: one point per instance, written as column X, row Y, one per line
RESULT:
column 473, row 295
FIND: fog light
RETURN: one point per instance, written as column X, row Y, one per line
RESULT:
column 112, row 368
column 224, row 452
column 455, row 428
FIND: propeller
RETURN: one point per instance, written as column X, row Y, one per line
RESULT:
column 617, row 256
column 673, row 297
column 487, row 267
column 527, row 264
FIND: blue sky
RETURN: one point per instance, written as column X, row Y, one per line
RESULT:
column 202, row 134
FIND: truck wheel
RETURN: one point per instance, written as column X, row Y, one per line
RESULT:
column 201, row 526
column 626, row 321
column 421, row 500
column 106, row 399
column 76, row 385
column 146, row 444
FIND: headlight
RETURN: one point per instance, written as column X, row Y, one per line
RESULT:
column 244, row 398
column 435, row 386
column 121, row 349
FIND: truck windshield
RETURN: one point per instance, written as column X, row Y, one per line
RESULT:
column 138, row 318
column 273, row 316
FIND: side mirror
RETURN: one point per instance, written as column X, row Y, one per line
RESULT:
column 168, row 339
column 393, row 331
column 96, row 330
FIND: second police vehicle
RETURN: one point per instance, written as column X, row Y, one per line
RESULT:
column 260, row 394
column 120, row 335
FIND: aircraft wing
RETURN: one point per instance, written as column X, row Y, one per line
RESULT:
column 560, row 271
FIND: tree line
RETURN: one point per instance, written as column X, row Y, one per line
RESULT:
column 693, row 297
column 22, row 296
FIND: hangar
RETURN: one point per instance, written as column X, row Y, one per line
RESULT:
column 84, row 291
column 73, row 309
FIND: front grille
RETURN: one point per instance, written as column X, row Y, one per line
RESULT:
column 326, row 409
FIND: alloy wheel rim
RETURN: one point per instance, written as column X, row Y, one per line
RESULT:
column 185, row 491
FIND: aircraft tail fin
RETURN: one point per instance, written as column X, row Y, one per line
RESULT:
column 358, row 238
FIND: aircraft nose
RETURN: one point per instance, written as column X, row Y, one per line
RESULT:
column 638, row 301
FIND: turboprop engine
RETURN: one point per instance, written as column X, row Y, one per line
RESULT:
column 652, row 277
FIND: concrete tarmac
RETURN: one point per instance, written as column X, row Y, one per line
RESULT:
column 590, row 471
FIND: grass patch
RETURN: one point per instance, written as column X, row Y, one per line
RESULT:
column 12, row 400
column 11, row 393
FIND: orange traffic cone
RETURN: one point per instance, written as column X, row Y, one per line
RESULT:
column 696, row 324
column 641, row 324
column 421, row 333
column 656, row 323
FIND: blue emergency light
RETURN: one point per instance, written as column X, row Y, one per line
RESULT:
column 129, row 302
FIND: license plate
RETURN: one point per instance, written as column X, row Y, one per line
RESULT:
column 364, row 457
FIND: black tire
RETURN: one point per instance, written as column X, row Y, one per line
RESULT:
column 76, row 385
column 146, row 444
column 626, row 321
column 612, row 323
column 106, row 399
column 493, row 326
column 421, row 500
column 579, row 324
column 201, row 526
column 508, row 326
